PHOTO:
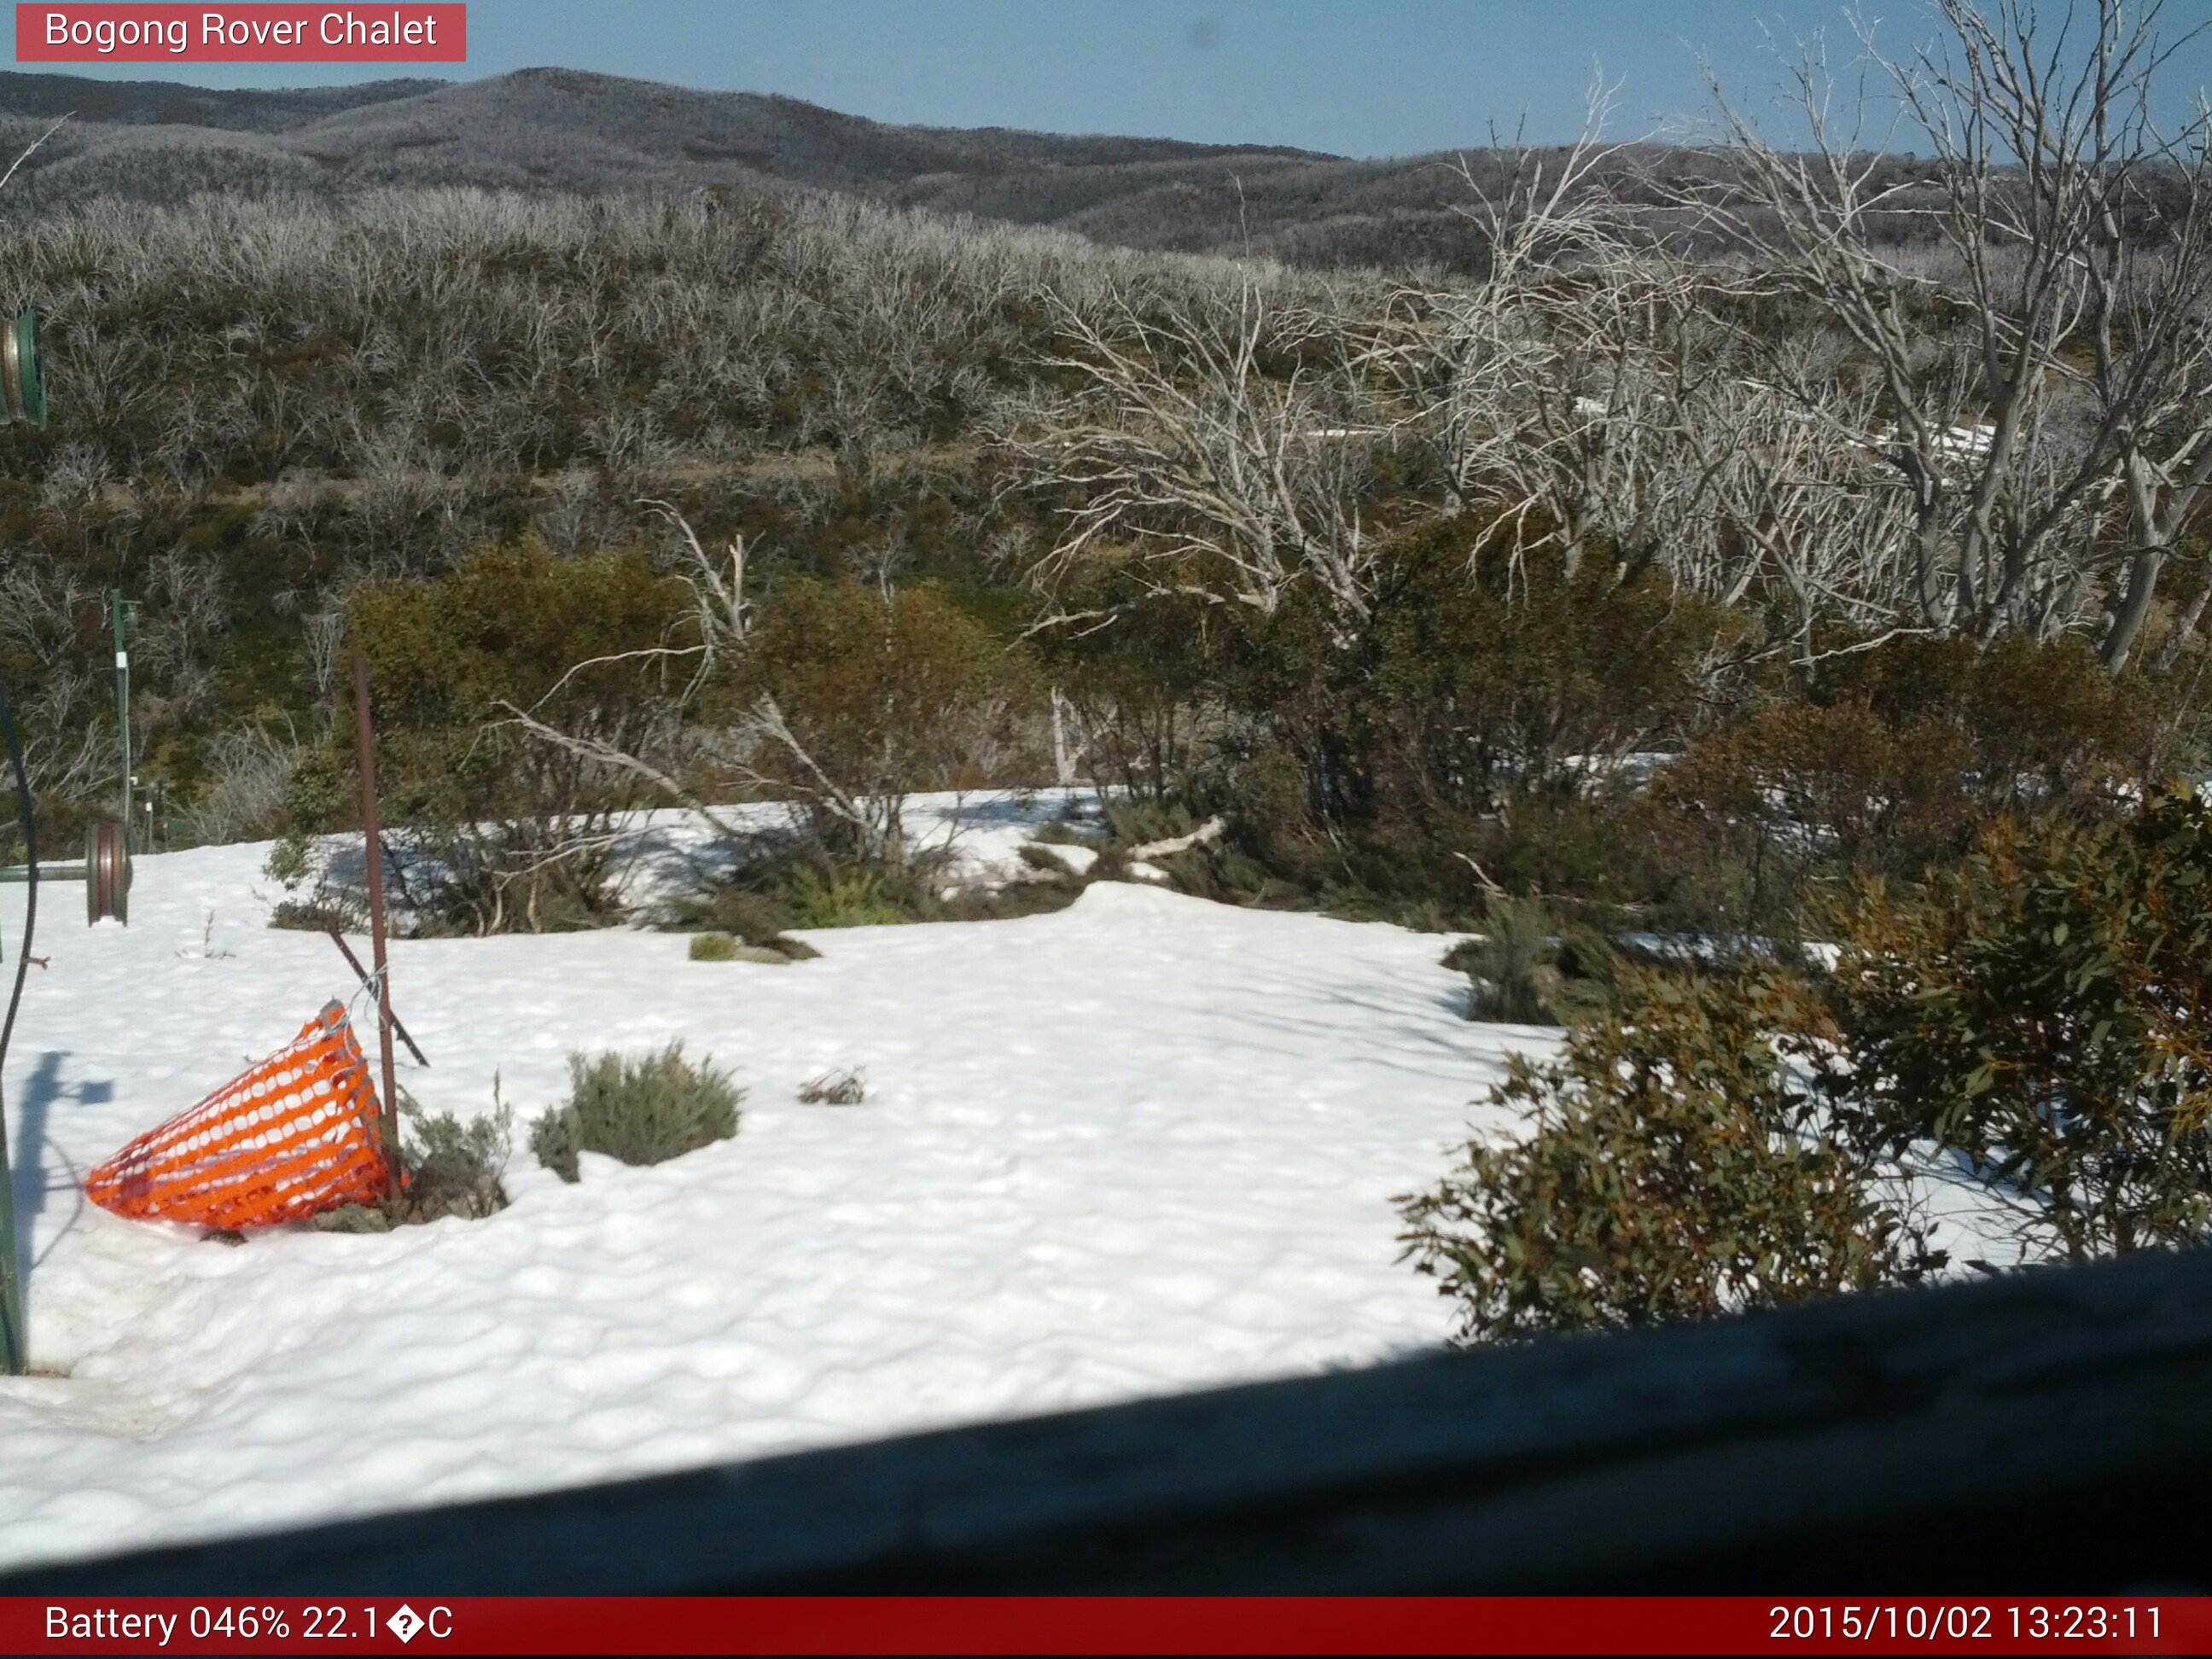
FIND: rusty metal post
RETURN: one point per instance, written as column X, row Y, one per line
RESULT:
column 373, row 837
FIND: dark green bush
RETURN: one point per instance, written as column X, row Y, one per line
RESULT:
column 755, row 913
column 2040, row 721
column 320, row 913
column 887, row 691
column 713, row 947
column 453, row 1168
column 1670, row 1171
column 644, row 1111
column 1058, row 832
column 1887, row 762
column 1526, row 970
column 827, row 896
column 496, row 830
column 2040, row 1006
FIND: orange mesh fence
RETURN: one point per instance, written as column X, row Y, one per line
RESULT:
column 297, row 1134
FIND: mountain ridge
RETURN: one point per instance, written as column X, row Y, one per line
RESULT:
column 575, row 129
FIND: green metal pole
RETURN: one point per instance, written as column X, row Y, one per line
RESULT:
column 22, row 398
column 15, row 1337
column 115, row 603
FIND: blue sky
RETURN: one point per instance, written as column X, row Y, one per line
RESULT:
column 1359, row 77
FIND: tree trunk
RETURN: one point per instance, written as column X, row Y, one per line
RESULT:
column 2135, row 605
column 2184, row 627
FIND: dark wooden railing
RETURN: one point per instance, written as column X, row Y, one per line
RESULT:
column 2045, row 1433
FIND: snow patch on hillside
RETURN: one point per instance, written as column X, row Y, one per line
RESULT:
column 1145, row 1144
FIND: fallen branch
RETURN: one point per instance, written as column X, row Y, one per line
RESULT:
column 1480, row 875
column 607, row 755
column 1205, row 832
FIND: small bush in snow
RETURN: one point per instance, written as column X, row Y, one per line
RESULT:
column 642, row 1110
column 1526, row 970
column 320, row 913
column 744, row 913
column 857, row 897
column 720, row 947
column 453, row 1168
column 1038, row 856
column 1673, row 1172
column 1058, row 832
column 833, row 1089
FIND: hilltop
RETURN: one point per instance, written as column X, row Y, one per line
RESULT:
column 566, row 130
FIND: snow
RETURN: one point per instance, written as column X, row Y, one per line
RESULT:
column 1076, row 860
column 1144, row 1145
column 977, row 836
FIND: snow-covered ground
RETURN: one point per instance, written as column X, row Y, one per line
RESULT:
column 1145, row 1144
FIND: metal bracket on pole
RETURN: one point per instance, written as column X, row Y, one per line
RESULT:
column 372, row 848
column 123, row 614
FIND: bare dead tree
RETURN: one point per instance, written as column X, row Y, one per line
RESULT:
column 1594, row 390
column 48, row 611
column 1217, row 448
column 1536, row 383
column 724, row 613
column 2047, row 357
column 1806, row 521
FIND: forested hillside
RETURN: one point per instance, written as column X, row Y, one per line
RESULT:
column 563, row 129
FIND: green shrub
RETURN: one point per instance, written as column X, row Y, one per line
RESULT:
column 1526, row 970
column 857, row 897
column 2042, row 1007
column 1888, row 761
column 2040, row 720
column 886, row 689
column 1039, row 857
column 1015, row 898
column 642, row 1110
column 319, row 913
column 496, row 830
column 453, row 1168
column 747, row 919
column 720, row 947
column 1669, row 1172
column 1838, row 781
column 1058, row 832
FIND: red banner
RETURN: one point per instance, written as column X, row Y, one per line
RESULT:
column 123, row 33
column 1142, row 1625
